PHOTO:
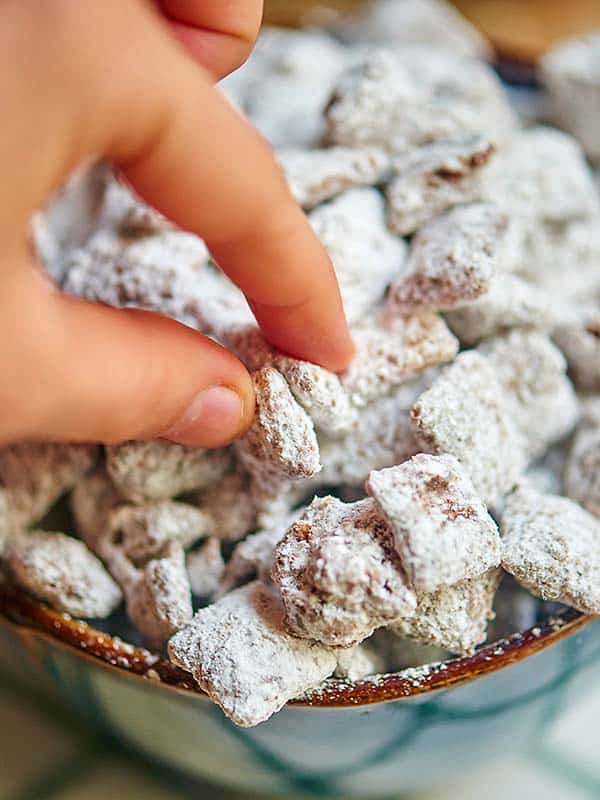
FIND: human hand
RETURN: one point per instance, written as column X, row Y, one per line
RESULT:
column 112, row 79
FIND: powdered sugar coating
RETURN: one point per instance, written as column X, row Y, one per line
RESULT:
column 62, row 571
column 453, row 617
column 582, row 469
column 253, row 558
column 158, row 470
column 431, row 179
column 205, row 567
column 382, row 436
column 509, row 303
column 544, row 176
column 408, row 22
column 92, row 501
column 240, row 654
column 145, row 530
column 548, row 253
column 34, row 475
column 161, row 273
column 552, row 547
column 46, row 246
column 318, row 175
column 452, row 259
column 571, row 77
column 282, row 438
column 392, row 349
column 354, row 663
column 415, row 96
column 230, row 505
column 294, row 73
column 365, row 255
column 465, row 414
column 318, row 390
column 581, row 346
column 127, row 214
column 320, row 393
column 541, row 399
column 159, row 600
column 338, row 574
column 442, row 531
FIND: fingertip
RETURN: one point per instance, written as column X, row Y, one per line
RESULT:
column 215, row 417
column 340, row 354
column 310, row 332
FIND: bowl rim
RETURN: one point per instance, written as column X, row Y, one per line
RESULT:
column 31, row 618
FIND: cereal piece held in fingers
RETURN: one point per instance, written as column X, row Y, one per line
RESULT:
column 582, row 470
column 282, row 438
column 62, row 571
column 365, row 255
column 442, row 531
column 541, row 399
column 392, row 349
column 434, row 178
column 320, row 393
column 452, row 259
column 46, row 246
column 453, row 617
column 339, row 575
column 34, row 475
column 240, row 653
column 205, row 567
column 511, row 302
column 143, row 531
column 465, row 414
column 552, row 547
column 581, row 346
column 318, row 390
column 158, row 470
column 123, row 211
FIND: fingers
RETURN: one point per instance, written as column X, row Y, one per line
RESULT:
column 200, row 163
column 182, row 146
column 219, row 35
column 107, row 375
column 103, row 374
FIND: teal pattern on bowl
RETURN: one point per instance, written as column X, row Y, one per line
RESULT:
column 368, row 750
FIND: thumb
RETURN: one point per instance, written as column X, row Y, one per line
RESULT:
column 104, row 374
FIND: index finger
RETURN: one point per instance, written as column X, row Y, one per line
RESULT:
column 198, row 161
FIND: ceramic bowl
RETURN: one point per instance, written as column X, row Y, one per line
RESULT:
column 403, row 732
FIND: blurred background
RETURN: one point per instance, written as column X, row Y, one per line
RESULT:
column 45, row 754
column 519, row 30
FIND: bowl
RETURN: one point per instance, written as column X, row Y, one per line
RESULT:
column 387, row 735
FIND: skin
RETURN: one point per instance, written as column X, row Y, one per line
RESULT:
column 133, row 80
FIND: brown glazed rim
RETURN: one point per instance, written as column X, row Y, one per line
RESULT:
column 30, row 616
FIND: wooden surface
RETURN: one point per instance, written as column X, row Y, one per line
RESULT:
column 526, row 29
column 292, row 13
column 519, row 29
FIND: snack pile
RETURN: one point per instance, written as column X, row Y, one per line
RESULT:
column 366, row 511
